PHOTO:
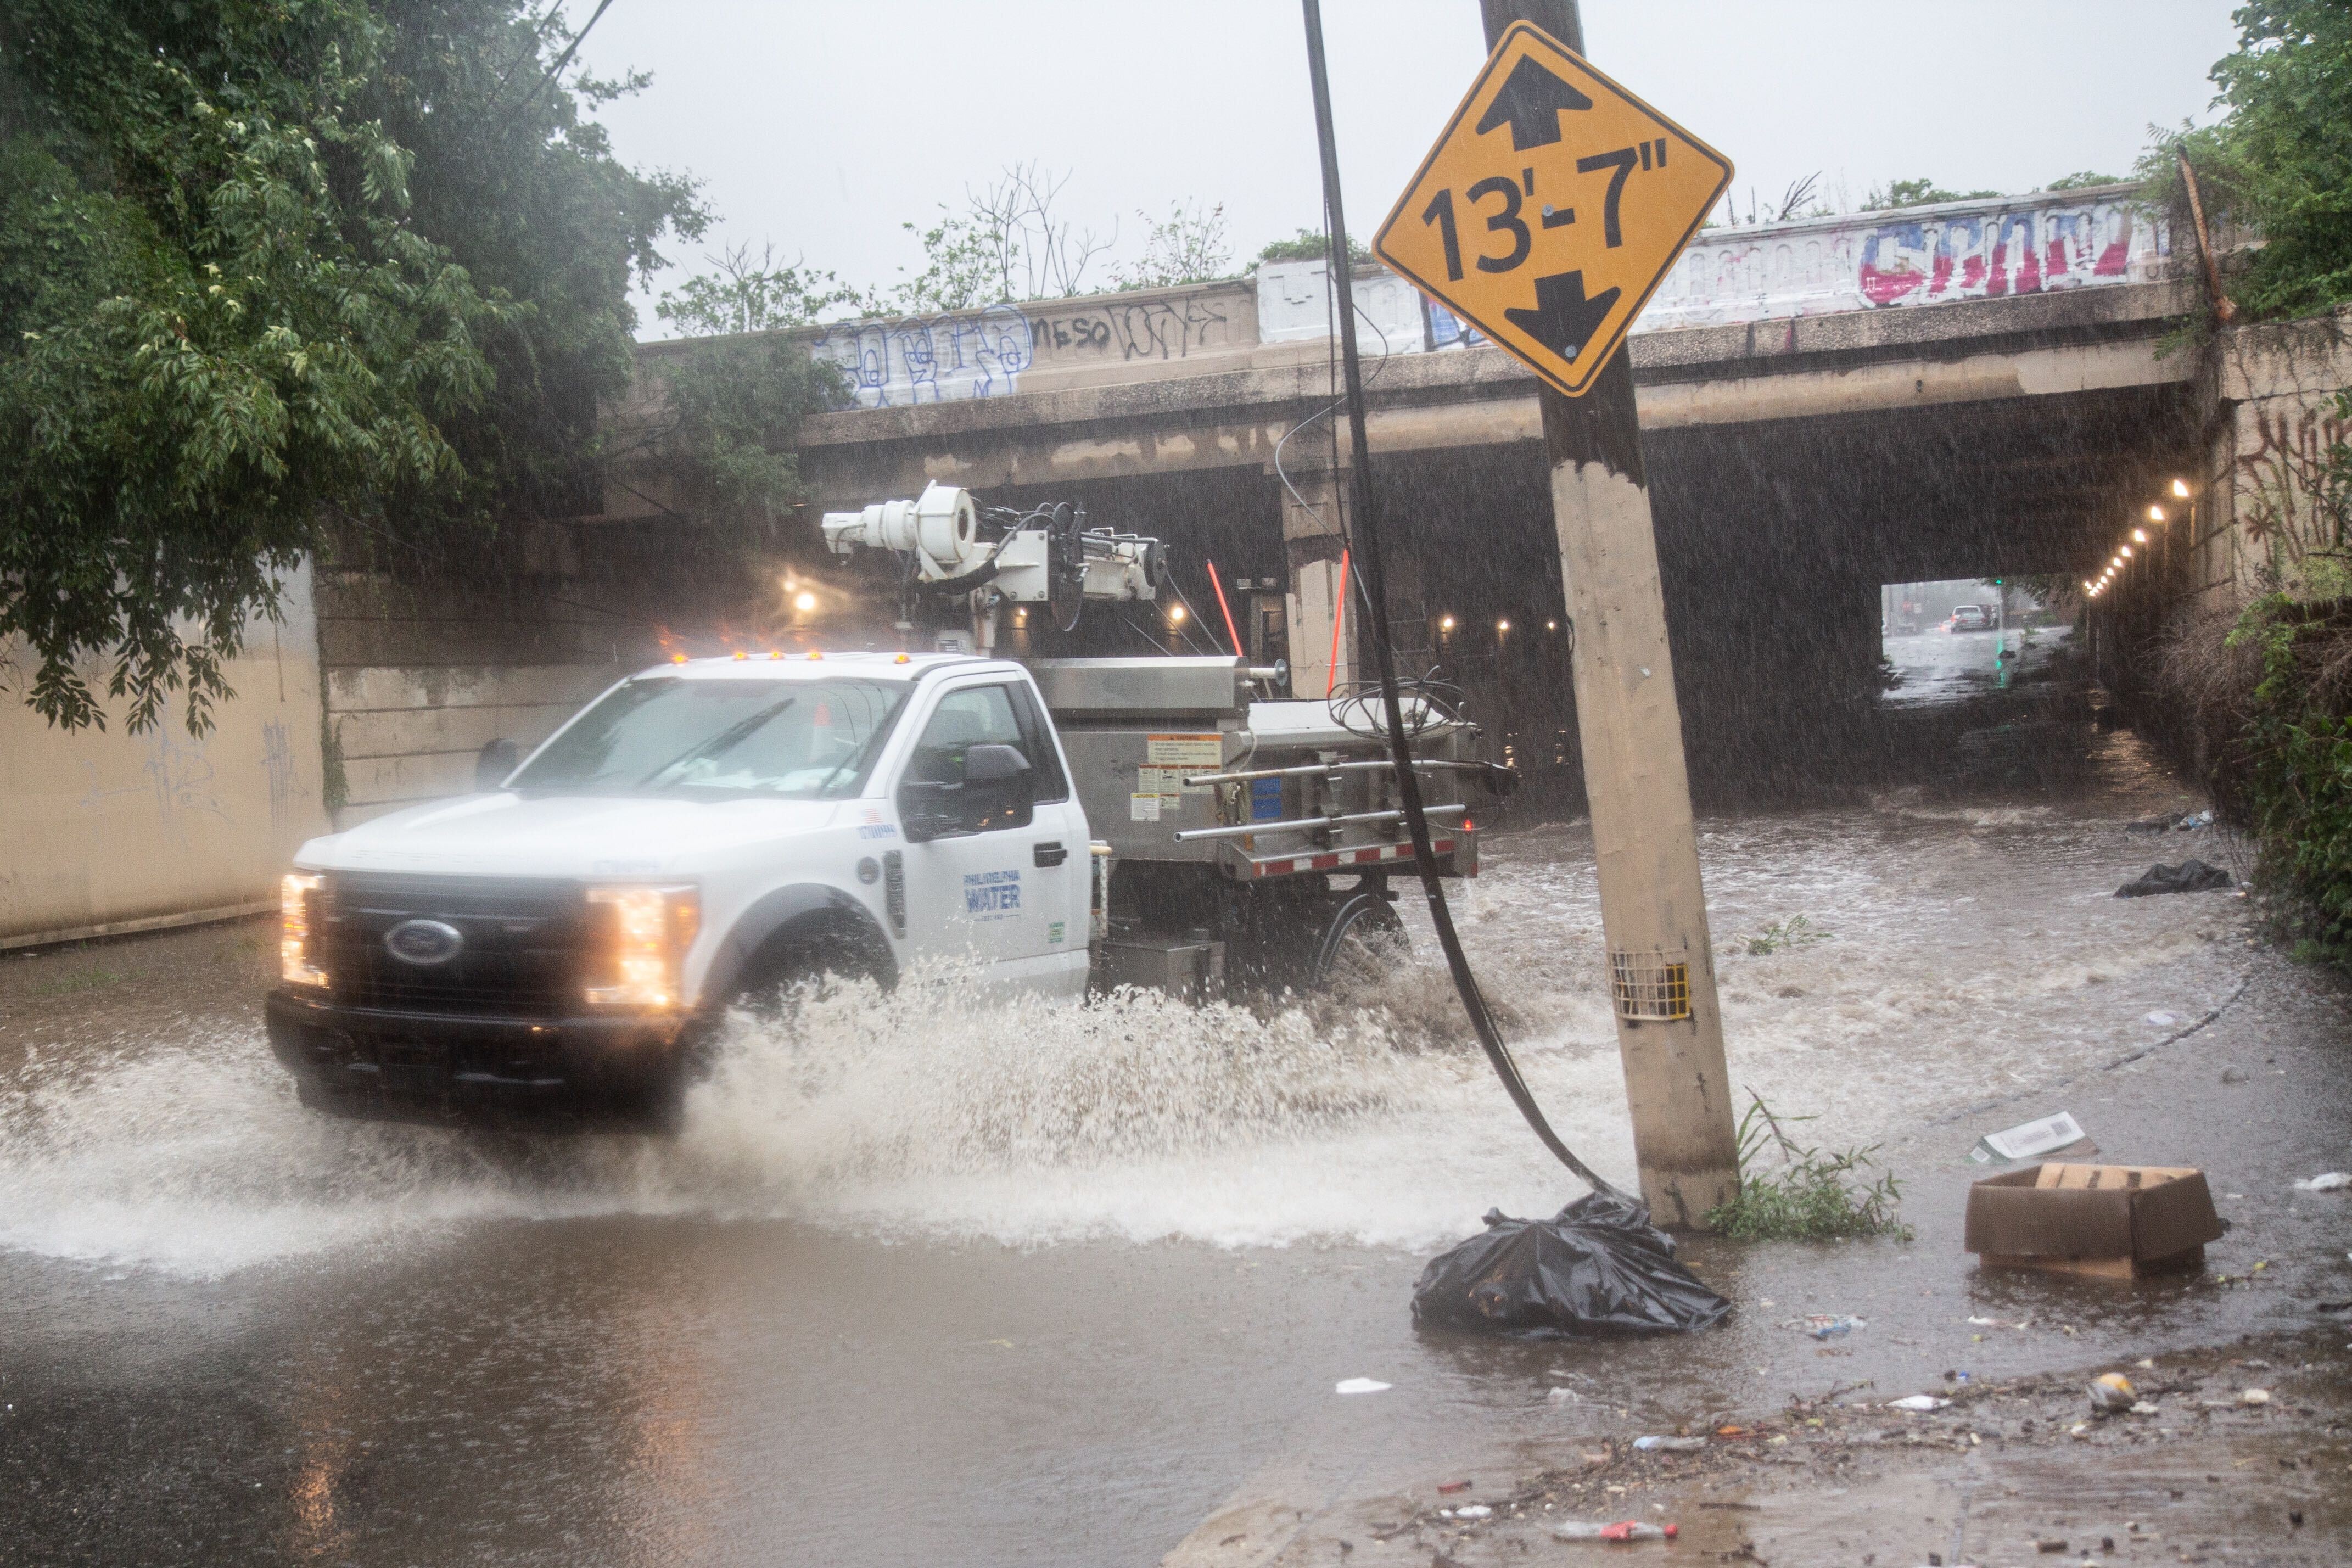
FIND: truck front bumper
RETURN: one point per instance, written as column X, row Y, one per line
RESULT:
column 419, row 1067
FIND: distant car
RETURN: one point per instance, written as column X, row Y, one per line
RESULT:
column 1971, row 618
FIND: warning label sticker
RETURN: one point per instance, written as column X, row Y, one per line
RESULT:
column 1195, row 752
column 1143, row 808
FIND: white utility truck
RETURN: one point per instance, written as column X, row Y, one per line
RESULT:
column 711, row 832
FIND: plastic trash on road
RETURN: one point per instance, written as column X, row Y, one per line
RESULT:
column 2332, row 1182
column 1360, row 1385
column 2111, row 1392
column 1920, row 1402
column 2029, row 1140
column 1670, row 1445
column 1598, row 1266
column 2185, row 822
column 1624, row 1529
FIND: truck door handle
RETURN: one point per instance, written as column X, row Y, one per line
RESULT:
column 1051, row 854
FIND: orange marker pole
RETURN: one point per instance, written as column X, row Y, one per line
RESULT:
column 1218, row 583
column 1338, row 614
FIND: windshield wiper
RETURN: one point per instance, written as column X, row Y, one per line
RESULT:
column 738, row 731
column 855, row 761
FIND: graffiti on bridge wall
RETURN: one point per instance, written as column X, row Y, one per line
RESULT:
column 893, row 363
column 1138, row 329
column 1873, row 261
column 2285, row 477
column 1999, row 248
column 982, row 353
column 1987, row 259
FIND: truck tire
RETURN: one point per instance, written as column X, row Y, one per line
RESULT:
column 660, row 1110
column 791, row 959
column 1362, row 942
column 312, row 1095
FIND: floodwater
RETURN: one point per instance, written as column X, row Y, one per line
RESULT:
column 1938, row 665
column 941, row 1278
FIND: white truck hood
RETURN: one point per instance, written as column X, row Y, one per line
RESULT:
column 568, row 836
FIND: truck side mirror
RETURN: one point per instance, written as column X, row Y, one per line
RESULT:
column 493, row 763
column 1000, row 789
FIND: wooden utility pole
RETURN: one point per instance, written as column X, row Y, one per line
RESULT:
column 1652, row 906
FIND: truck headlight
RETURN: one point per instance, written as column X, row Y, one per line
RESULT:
column 298, row 893
column 640, row 946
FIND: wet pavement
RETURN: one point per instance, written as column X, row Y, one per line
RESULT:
column 943, row 1280
column 2002, row 1472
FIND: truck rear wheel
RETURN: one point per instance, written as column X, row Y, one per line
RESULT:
column 1363, row 942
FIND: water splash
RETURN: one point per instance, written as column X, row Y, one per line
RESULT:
column 939, row 1111
column 1969, row 958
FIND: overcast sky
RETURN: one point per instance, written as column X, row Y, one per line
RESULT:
column 822, row 125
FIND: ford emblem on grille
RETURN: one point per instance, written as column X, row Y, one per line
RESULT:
column 424, row 942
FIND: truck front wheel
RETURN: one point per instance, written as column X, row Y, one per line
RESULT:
column 767, row 987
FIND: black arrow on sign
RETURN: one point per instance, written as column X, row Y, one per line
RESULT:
column 1532, row 100
column 1563, row 319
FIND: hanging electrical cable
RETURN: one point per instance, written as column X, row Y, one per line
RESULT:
column 1366, row 540
column 563, row 61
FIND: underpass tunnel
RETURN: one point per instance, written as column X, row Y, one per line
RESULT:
column 1475, row 597
column 1774, row 539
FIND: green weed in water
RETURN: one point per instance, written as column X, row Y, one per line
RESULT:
column 1813, row 1196
column 76, row 980
column 1779, row 936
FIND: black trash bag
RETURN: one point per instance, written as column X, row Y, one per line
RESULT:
column 1598, row 1266
column 2188, row 877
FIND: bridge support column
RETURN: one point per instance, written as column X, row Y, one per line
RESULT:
column 1312, row 552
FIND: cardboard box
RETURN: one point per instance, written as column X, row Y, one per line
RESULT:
column 2114, row 1220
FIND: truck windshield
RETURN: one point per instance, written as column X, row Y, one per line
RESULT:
column 722, row 740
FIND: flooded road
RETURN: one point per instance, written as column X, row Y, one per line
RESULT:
column 1937, row 666
column 936, row 1278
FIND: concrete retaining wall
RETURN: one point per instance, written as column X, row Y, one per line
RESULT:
column 104, row 832
column 2276, row 387
column 421, row 673
column 406, row 734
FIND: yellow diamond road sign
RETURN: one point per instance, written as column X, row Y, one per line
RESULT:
column 1551, row 207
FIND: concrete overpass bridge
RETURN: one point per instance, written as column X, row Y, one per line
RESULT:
column 1971, row 389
